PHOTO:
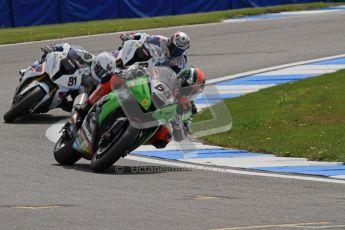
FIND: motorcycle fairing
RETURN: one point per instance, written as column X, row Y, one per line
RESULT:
column 86, row 136
column 129, row 48
column 137, row 91
column 110, row 104
column 38, row 73
column 140, row 89
column 53, row 60
column 82, row 145
column 29, row 75
column 165, row 114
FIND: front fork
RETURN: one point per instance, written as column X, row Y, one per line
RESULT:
column 74, row 118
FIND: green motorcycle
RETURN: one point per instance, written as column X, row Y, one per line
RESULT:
column 121, row 121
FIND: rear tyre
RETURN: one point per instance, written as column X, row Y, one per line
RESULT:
column 20, row 108
column 64, row 154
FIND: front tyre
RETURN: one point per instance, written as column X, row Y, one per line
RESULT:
column 107, row 155
column 64, row 154
column 24, row 105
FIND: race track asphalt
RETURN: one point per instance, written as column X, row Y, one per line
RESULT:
column 36, row 193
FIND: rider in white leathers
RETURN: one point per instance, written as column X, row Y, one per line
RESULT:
column 174, row 48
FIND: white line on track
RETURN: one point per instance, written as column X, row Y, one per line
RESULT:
column 259, row 161
column 264, row 70
column 109, row 34
column 233, row 171
column 117, row 33
column 282, row 15
column 321, row 227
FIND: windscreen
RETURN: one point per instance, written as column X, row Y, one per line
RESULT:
column 163, row 85
column 155, row 50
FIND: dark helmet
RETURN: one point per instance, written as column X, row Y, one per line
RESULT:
column 178, row 43
column 192, row 81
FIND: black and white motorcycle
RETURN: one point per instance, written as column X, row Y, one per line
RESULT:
column 45, row 85
column 138, row 52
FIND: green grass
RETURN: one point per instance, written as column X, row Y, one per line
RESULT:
column 300, row 119
column 35, row 33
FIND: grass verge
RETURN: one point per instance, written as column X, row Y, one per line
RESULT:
column 300, row 119
column 36, row 33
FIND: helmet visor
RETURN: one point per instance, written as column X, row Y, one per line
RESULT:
column 99, row 71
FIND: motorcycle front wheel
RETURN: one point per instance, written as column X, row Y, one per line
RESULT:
column 116, row 146
column 64, row 154
column 25, row 104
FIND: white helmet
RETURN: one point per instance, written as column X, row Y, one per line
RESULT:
column 102, row 64
column 178, row 43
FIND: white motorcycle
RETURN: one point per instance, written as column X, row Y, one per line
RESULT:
column 45, row 85
column 139, row 52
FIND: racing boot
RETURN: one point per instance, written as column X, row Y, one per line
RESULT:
column 161, row 138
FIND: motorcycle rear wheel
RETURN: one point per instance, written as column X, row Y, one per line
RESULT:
column 20, row 108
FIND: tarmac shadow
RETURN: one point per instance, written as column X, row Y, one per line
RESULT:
column 38, row 119
column 128, row 170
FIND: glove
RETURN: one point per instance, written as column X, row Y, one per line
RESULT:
column 126, row 36
column 47, row 49
column 184, row 105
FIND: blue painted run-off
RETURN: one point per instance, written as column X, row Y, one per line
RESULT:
column 204, row 153
column 329, row 170
column 217, row 96
column 285, row 14
column 267, row 79
column 338, row 61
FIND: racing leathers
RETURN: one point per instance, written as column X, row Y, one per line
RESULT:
column 176, row 60
column 163, row 135
column 77, row 58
